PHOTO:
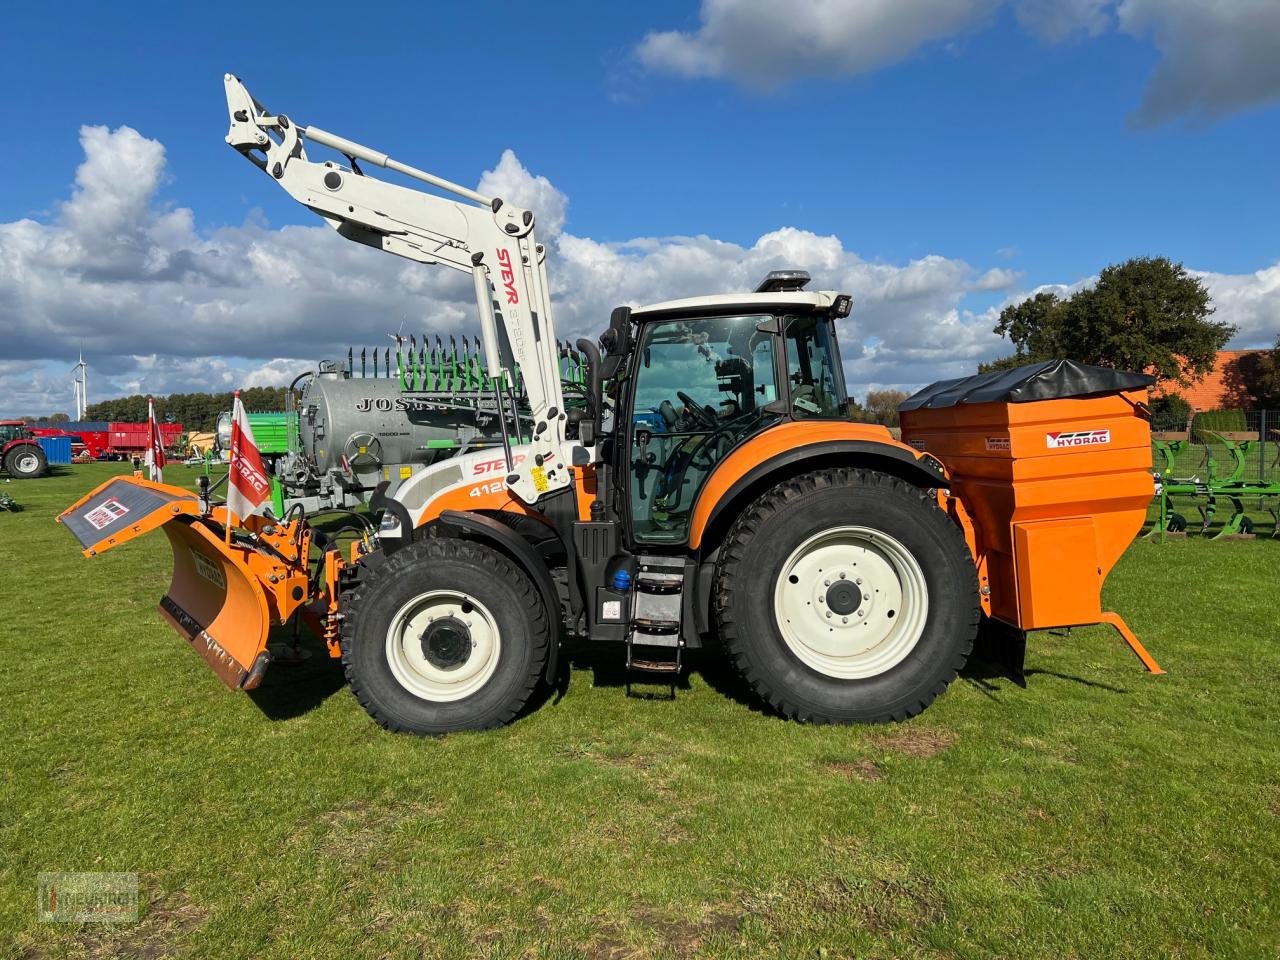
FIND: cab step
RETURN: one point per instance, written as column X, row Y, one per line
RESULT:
column 655, row 622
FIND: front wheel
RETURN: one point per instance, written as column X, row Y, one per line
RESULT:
column 847, row 596
column 26, row 462
column 445, row 635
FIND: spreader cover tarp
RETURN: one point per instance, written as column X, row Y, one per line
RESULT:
column 1049, row 380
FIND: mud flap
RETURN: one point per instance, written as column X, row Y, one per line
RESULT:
column 214, row 600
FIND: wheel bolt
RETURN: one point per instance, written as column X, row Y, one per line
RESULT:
column 828, row 614
column 866, row 596
column 844, row 619
column 858, row 581
column 842, row 575
column 826, row 583
column 859, row 613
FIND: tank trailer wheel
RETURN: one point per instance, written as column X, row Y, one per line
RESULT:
column 847, row 596
column 25, row 462
column 445, row 635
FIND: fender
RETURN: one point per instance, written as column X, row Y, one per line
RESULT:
column 506, row 540
column 782, row 449
column 468, row 482
column 380, row 501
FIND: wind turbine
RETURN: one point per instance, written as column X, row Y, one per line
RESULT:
column 81, row 386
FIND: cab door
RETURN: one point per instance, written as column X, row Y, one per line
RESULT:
column 701, row 386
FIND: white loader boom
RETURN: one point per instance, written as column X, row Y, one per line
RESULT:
column 486, row 237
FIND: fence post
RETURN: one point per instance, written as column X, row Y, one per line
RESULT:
column 1262, row 446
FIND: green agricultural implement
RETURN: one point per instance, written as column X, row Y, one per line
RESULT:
column 1206, row 493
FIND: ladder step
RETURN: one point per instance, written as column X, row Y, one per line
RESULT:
column 656, row 666
column 642, row 639
column 660, row 580
column 653, row 625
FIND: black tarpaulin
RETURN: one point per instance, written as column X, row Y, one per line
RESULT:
column 1049, row 380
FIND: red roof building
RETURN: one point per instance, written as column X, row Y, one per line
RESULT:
column 1225, row 387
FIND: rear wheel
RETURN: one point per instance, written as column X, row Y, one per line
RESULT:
column 26, row 461
column 847, row 596
column 445, row 635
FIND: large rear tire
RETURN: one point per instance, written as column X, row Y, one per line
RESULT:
column 445, row 635
column 847, row 596
column 26, row 462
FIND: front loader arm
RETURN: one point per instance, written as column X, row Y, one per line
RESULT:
column 486, row 237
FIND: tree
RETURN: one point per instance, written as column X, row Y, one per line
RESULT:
column 58, row 418
column 1170, row 412
column 882, row 406
column 1145, row 314
column 1265, row 388
column 1252, row 380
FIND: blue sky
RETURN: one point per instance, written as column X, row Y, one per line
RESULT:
column 962, row 153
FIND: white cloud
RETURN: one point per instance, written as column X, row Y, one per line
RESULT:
column 514, row 184
column 997, row 278
column 765, row 44
column 163, row 307
column 1251, row 301
column 1055, row 20
column 1217, row 56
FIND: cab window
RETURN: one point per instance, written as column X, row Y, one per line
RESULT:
column 813, row 369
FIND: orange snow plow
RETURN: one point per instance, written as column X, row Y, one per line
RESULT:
column 226, row 592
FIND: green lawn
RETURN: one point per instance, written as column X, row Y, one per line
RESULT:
column 1099, row 812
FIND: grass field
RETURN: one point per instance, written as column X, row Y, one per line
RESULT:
column 1099, row 812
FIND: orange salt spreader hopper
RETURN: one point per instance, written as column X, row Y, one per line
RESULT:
column 1051, row 462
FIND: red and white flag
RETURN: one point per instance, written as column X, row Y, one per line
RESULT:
column 155, row 445
column 248, row 486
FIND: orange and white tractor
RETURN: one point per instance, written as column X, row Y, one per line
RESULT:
column 712, row 486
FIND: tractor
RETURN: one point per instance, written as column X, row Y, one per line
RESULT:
column 710, row 488
column 21, row 455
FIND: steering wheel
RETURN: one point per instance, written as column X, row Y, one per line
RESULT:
column 702, row 414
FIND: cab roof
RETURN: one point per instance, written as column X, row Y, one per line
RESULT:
column 726, row 303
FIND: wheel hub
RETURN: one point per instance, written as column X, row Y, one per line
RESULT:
column 446, row 643
column 443, row 645
column 843, row 597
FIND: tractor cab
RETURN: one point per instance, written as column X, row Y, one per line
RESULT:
column 707, row 373
column 13, row 430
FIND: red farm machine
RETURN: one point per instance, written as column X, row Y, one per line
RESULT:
column 21, row 455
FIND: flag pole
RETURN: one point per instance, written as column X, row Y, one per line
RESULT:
column 231, row 466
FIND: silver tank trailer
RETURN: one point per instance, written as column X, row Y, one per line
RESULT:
column 377, row 426
column 382, row 431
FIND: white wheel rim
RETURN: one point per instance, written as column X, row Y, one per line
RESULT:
column 408, row 659
column 817, row 624
column 28, row 462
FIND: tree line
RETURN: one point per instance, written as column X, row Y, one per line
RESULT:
column 197, row 412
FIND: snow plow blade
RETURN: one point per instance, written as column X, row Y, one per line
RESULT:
column 223, row 597
column 216, row 603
